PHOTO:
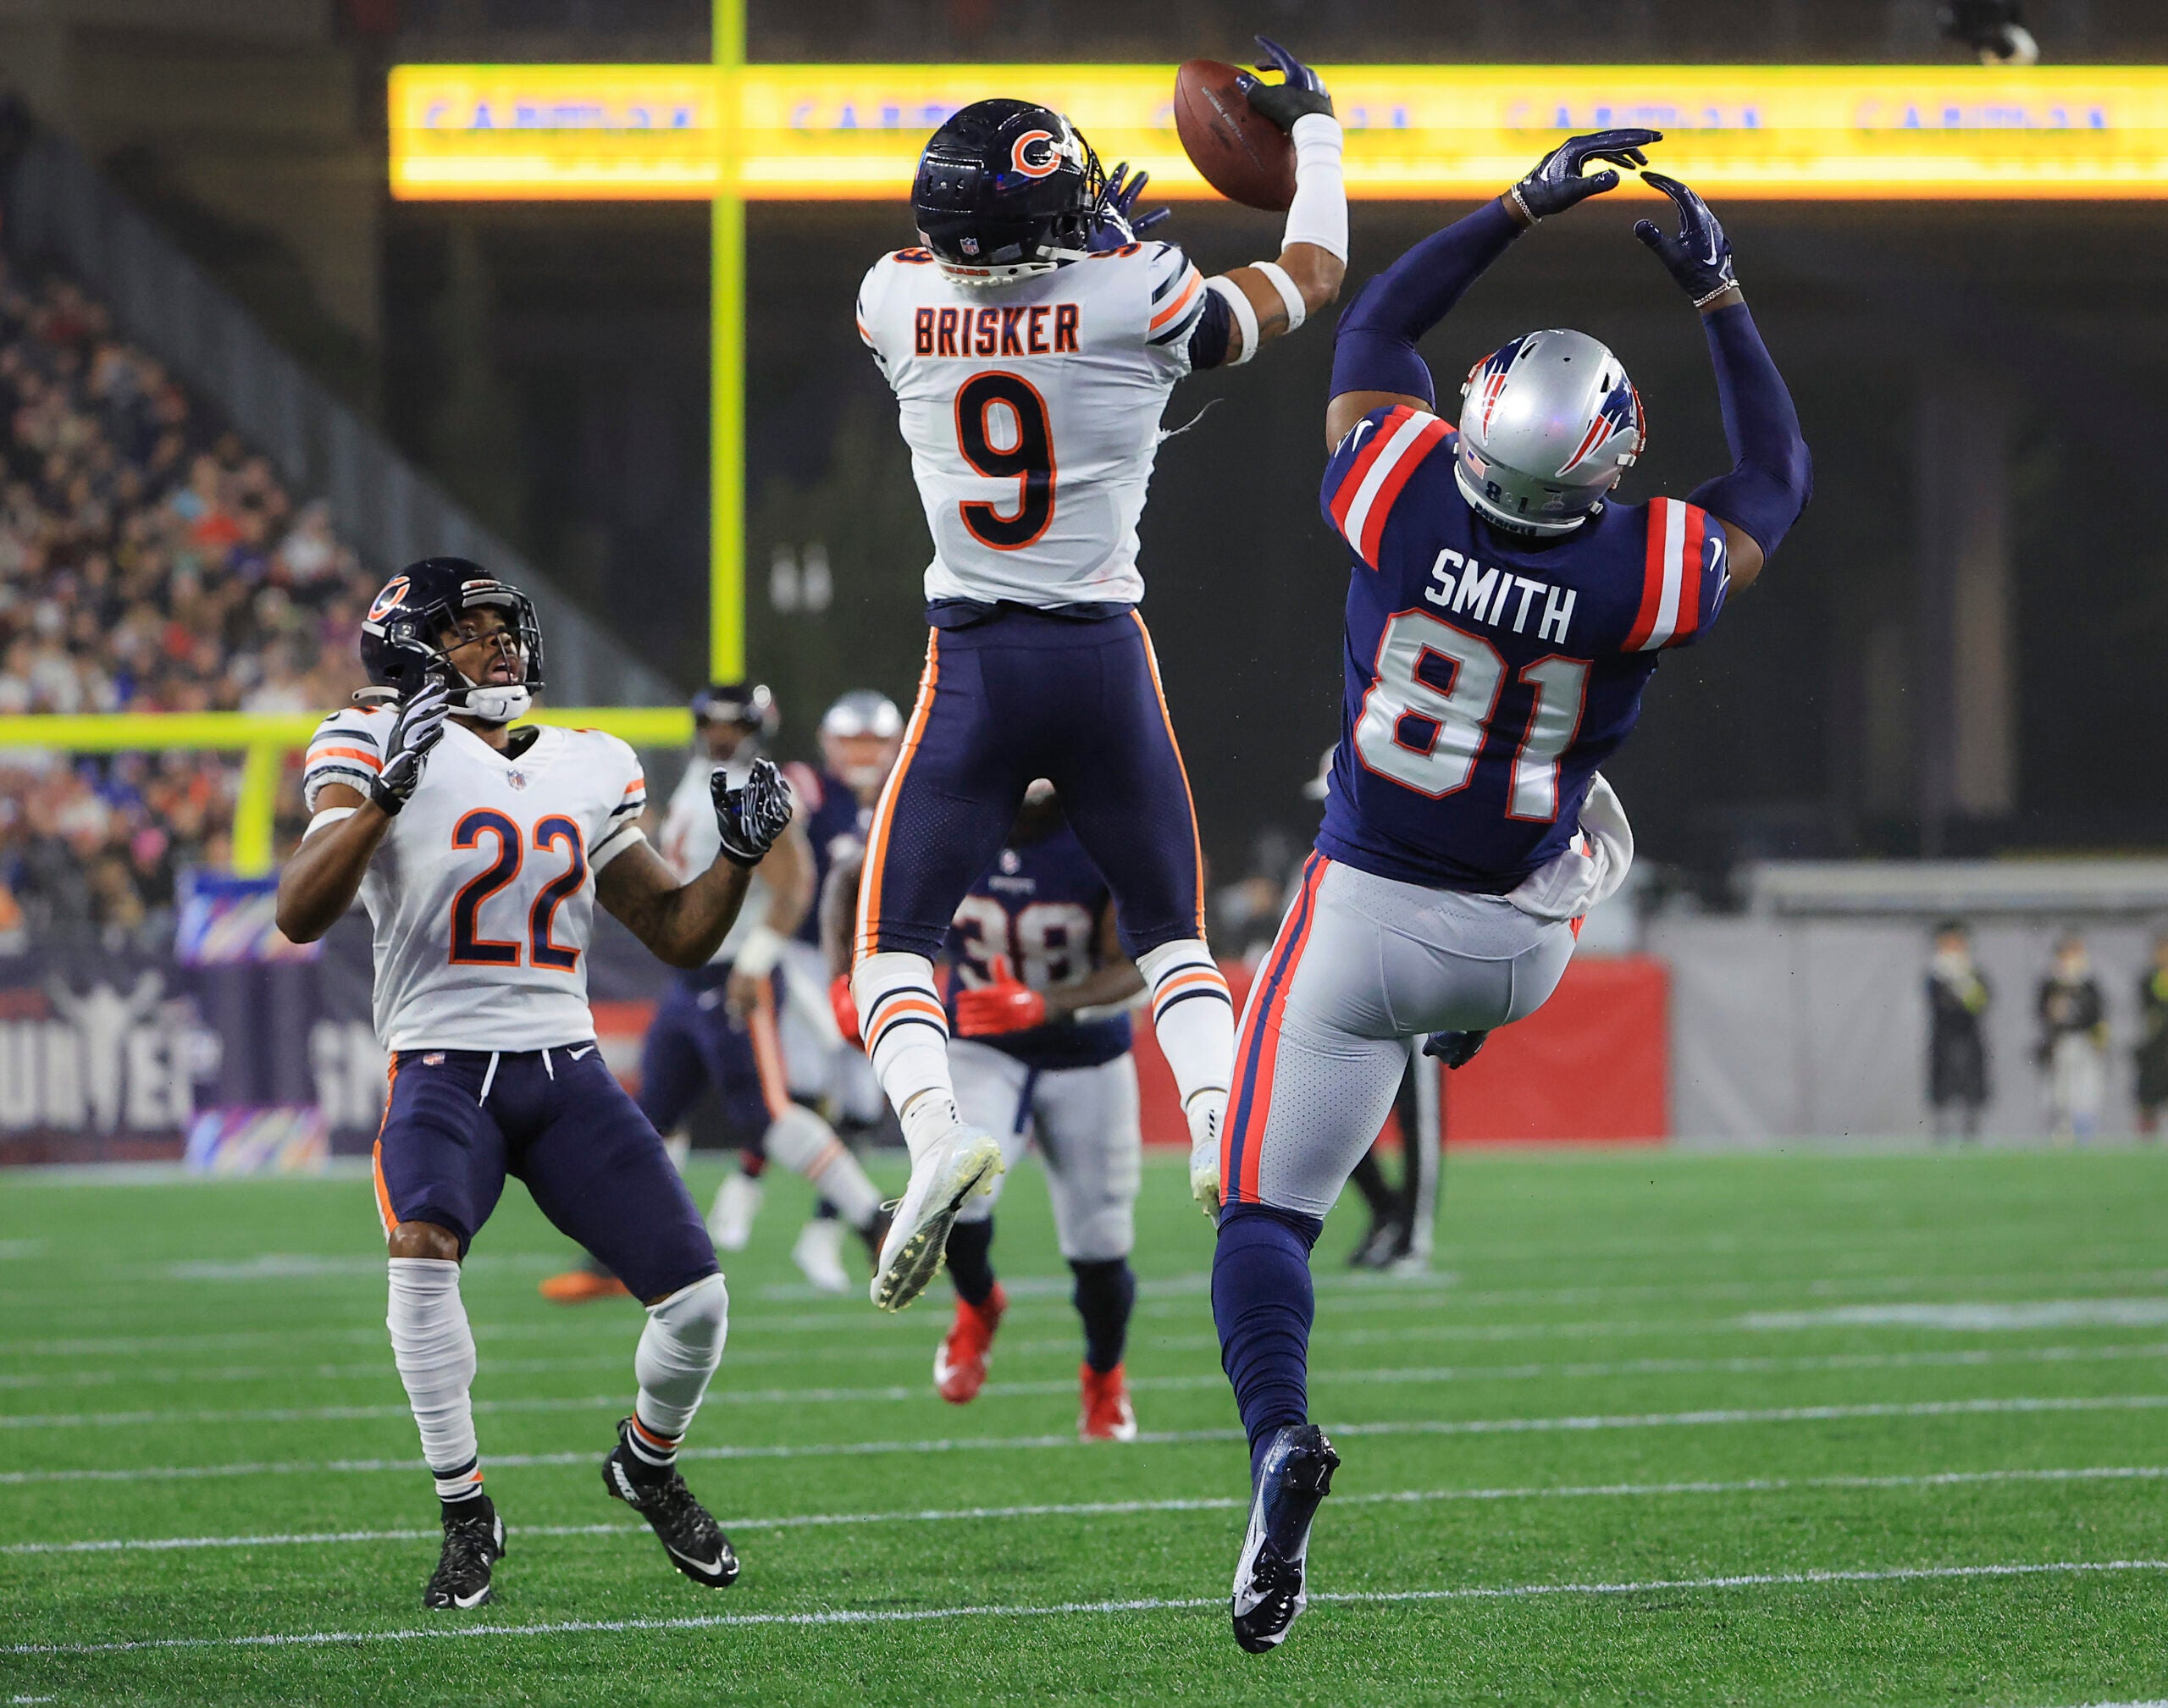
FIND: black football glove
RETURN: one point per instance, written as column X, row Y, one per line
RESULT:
column 1454, row 1049
column 1700, row 257
column 1556, row 182
column 1302, row 92
column 1115, row 221
column 751, row 817
column 416, row 728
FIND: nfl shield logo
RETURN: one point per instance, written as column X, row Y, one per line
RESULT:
column 970, row 245
column 517, row 779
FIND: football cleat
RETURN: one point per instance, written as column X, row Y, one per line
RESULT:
column 819, row 1254
column 962, row 1161
column 1206, row 1111
column 960, row 1362
column 874, row 1233
column 472, row 1544
column 1384, row 1245
column 1269, row 1593
column 688, row 1531
column 730, row 1221
column 579, row 1286
column 1106, row 1415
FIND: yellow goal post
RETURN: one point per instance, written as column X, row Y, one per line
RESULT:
column 264, row 738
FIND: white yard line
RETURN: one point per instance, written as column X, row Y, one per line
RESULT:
column 1466, row 1426
column 1094, row 1509
column 896, row 1616
column 1390, row 1376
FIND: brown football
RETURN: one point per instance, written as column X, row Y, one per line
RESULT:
column 1241, row 154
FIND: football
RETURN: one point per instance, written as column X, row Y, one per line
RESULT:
column 1241, row 154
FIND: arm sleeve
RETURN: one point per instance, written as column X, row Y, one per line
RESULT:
column 1375, row 347
column 1685, row 574
column 1368, row 476
column 621, row 825
column 348, row 748
column 1774, row 476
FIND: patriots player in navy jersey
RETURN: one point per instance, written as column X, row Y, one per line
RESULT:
column 1037, row 1003
column 1504, row 616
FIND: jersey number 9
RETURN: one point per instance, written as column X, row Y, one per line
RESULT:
column 1027, row 458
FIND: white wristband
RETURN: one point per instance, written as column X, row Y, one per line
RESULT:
column 1319, row 213
column 757, row 955
column 1290, row 296
column 1238, row 305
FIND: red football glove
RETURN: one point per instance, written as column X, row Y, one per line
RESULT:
column 845, row 1009
column 1006, row 1005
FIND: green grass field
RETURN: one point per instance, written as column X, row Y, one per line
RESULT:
column 1663, row 1429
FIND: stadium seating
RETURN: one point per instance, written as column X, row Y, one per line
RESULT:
column 148, row 561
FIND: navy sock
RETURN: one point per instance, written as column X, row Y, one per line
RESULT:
column 970, row 1263
column 1105, row 1293
column 1262, row 1304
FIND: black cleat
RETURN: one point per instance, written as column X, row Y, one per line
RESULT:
column 690, row 1534
column 1270, row 1595
column 472, row 1544
column 1387, row 1241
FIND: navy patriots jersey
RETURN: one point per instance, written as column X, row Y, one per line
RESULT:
column 1490, row 674
column 1040, row 905
column 836, row 826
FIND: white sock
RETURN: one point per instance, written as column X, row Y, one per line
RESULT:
column 678, row 1352
column 803, row 1142
column 1193, row 1017
column 435, row 1351
column 906, row 1035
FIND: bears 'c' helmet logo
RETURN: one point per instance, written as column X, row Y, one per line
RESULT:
column 1036, row 154
column 394, row 594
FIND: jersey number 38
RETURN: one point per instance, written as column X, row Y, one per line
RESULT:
column 1391, row 737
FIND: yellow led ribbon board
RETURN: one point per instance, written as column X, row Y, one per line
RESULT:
column 831, row 132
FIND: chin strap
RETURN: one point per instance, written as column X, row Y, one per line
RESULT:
column 497, row 704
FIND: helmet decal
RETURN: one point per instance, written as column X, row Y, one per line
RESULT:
column 392, row 596
column 1619, row 412
column 1036, row 154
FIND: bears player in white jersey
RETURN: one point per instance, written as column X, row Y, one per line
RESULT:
column 1504, row 614
column 1031, row 344
column 479, row 851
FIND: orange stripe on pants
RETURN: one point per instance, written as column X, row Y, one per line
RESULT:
column 767, row 1052
column 384, row 1209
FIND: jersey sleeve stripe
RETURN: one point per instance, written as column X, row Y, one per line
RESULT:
column 1693, row 529
column 1410, row 442
column 1662, row 574
column 317, row 754
column 1192, row 281
column 1343, row 497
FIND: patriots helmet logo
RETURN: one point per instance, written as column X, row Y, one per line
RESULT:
column 1485, row 381
column 1620, row 412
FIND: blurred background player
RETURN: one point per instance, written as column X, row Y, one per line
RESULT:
column 2152, row 1049
column 1041, row 1057
column 1032, row 344
column 2073, row 1049
column 1958, row 999
column 716, row 1027
column 479, row 851
column 1504, row 618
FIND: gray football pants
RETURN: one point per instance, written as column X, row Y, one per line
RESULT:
column 1362, row 964
column 1084, row 1121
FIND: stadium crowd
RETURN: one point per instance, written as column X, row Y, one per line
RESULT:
column 148, row 561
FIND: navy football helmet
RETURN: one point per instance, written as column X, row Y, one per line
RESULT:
column 1006, row 189
column 402, row 643
column 748, row 703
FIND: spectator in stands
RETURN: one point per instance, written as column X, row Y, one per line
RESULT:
column 2073, row 1041
column 2151, row 1051
column 148, row 561
column 1957, row 1045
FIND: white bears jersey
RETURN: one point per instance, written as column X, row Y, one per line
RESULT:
column 691, row 839
column 1033, row 412
column 482, row 893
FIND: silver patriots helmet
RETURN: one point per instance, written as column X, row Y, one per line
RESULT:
column 862, row 712
column 1548, row 423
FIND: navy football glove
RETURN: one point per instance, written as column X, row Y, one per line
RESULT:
column 1115, row 221
column 1700, row 257
column 1302, row 92
column 1556, row 183
column 751, row 817
column 1454, row 1049
column 416, row 728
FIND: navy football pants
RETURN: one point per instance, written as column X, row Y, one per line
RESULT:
column 1020, row 695
column 695, row 1041
column 563, row 1126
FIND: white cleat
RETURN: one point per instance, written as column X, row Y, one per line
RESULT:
column 1206, row 1111
column 1270, row 1590
column 962, row 1161
column 730, row 1221
column 819, row 1254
